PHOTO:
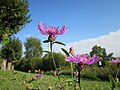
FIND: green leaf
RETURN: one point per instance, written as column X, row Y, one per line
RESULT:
column 6, row 41
column 112, row 82
column 67, row 54
column 47, row 51
column 46, row 41
column 59, row 43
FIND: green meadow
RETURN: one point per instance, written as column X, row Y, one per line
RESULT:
column 8, row 81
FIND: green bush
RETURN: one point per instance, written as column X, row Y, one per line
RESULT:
column 35, row 63
column 101, row 72
column 47, row 62
column 22, row 65
column 31, row 64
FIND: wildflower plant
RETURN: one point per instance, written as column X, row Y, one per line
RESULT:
column 80, row 60
column 51, row 32
column 115, row 81
column 116, row 61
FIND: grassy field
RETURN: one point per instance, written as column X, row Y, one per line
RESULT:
column 8, row 81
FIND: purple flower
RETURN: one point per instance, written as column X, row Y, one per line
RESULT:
column 82, row 59
column 37, row 76
column 117, row 61
column 76, row 73
column 51, row 31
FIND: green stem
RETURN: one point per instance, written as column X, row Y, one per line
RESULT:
column 79, row 74
column 71, row 70
column 29, row 75
column 79, row 80
column 117, row 73
column 72, row 75
column 53, row 56
column 58, row 78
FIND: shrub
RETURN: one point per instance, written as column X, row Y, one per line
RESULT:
column 101, row 72
column 31, row 64
column 35, row 63
column 47, row 62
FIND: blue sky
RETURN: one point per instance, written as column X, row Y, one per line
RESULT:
column 85, row 19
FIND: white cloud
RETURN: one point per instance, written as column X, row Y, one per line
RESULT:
column 111, row 42
column 27, row 36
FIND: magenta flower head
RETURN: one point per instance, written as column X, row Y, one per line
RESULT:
column 76, row 73
column 82, row 59
column 37, row 76
column 117, row 61
column 51, row 31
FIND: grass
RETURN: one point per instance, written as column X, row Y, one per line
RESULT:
column 9, row 82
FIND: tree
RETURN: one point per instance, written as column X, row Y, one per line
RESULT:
column 12, row 51
column 47, row 62
column 14, row 14
column 101, row 52
column 33, row 53
column 33, row 47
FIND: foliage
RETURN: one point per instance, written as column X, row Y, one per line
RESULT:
column 22, row 65
column 14, row 14
column 32, row 64
column 33, row 48
column 13, row 50
column 101, row 52
column 48, row 63
column 32, row 59
column 66, row 53
column 102, row 72
column 35, row 63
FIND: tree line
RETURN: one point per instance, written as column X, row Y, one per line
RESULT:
column 32, row 58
